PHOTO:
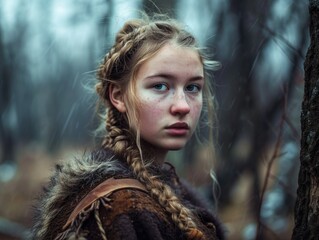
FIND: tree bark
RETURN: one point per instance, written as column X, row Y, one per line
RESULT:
column 307, row 204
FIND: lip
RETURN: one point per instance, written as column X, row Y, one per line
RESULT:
column 179, row 125
column 178, row 129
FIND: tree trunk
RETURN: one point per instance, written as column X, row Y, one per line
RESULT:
column 6, row 81
column 307, row 204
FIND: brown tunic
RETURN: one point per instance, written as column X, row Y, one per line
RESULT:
column 122, row 214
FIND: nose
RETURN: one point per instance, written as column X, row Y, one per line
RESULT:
column 180, row 105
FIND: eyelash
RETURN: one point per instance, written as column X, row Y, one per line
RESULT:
column 159, row 86
column 198, row 87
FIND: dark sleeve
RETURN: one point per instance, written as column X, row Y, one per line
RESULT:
column 137, row 225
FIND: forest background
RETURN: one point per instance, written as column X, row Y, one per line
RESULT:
column 50, row 49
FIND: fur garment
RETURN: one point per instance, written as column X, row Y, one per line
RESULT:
column 124, row 214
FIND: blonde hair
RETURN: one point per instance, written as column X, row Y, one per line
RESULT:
column 135, row 43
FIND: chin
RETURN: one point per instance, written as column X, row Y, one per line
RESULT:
column 176, row 145
column 176, row 148
column 169, row 145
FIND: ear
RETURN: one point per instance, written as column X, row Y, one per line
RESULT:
column 116, row 98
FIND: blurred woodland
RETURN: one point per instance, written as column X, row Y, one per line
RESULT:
column 50, row 49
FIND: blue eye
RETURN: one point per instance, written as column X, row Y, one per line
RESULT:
column 160, row 87
column 193, row 88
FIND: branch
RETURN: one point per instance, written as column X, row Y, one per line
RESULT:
column 270, row 163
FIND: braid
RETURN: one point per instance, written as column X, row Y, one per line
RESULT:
column 117, row 134
column 116, row 61
column 118, row 67
column 161, row 192
column 124, row 145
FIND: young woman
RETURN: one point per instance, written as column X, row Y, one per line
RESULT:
column 153, row 82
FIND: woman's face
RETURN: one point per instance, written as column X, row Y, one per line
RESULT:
column 169, row 88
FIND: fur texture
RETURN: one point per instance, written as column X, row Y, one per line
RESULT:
column 69, row 184
column 141, row 214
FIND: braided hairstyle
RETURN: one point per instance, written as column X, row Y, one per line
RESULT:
column 135, row 43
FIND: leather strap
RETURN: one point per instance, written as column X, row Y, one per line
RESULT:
column 108, row 186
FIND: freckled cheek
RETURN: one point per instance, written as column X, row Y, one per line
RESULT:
column 150, row 110
column 197, row 109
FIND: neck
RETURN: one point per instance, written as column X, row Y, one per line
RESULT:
column 156, row 156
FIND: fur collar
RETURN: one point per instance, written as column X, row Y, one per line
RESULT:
column 71, row 181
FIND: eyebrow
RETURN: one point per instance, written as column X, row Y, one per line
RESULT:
column 170, row 76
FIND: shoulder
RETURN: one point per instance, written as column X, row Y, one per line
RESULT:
column 71, row 181
column 131, row 214
column 132, row 201
column 128, row 213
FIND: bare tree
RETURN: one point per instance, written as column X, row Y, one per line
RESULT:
column 12, row 74
column 6, row 139
column 249, row 113
column 307, row 204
